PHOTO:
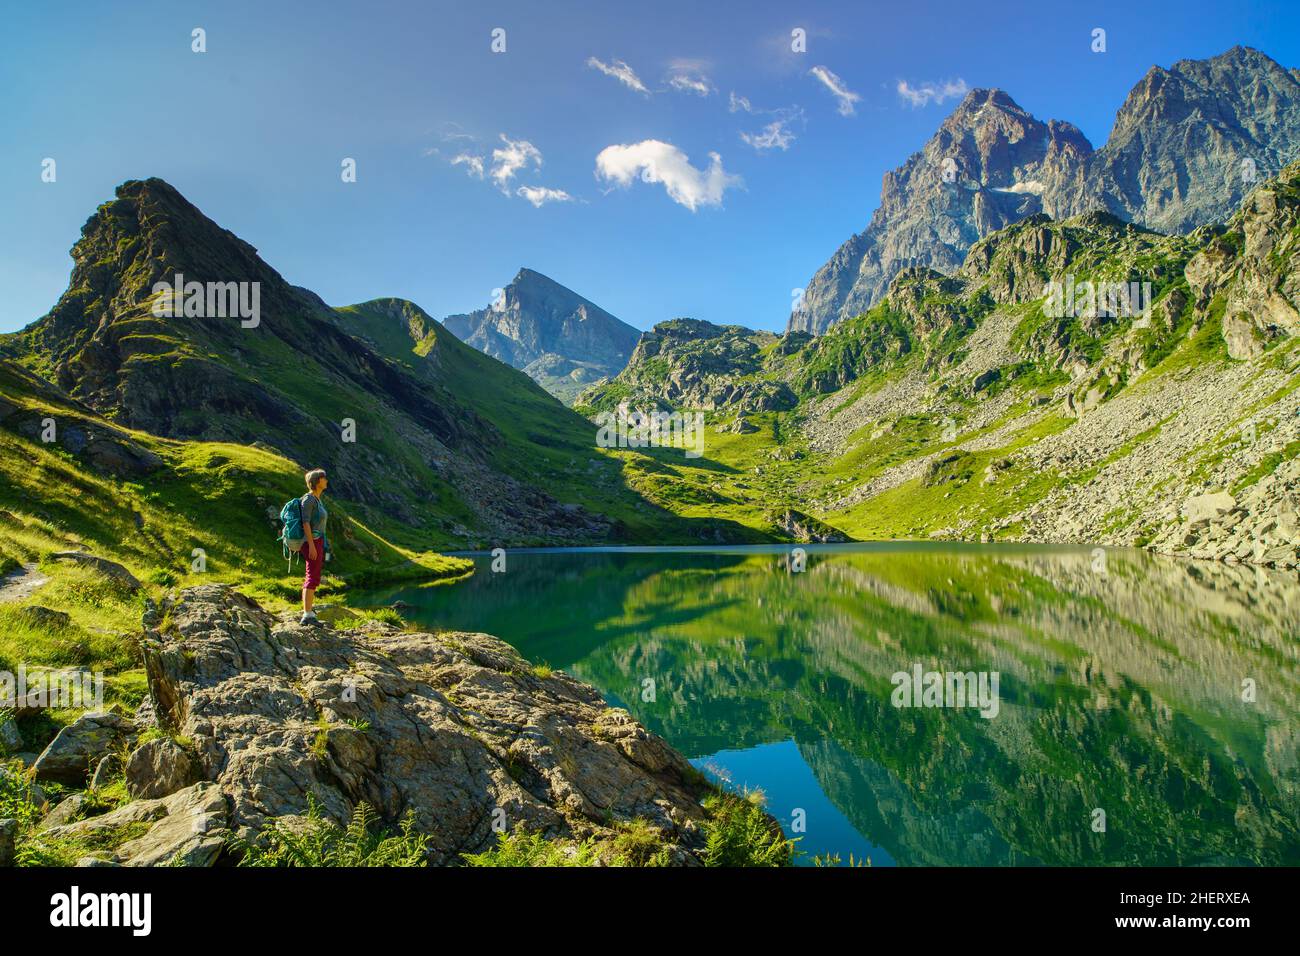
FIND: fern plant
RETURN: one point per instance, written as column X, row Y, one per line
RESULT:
column 320, row 842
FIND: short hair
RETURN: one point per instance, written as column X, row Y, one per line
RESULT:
column 313, row 478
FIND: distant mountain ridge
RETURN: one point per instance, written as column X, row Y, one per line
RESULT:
column 551, row 333
column 1188, row 144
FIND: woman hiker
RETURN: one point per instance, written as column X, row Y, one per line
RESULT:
column 314, row 517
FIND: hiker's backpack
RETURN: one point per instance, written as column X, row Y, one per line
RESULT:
column 292, row 537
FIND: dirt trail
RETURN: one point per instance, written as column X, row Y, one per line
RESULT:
column 21, row 583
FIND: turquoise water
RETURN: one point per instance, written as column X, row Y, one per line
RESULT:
column 1161, row 694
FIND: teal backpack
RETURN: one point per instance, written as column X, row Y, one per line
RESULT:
column 291, row 535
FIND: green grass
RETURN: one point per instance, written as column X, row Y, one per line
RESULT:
column 36, row 848
column 1267, row 465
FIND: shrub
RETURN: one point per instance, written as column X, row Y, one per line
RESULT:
column 740, row 833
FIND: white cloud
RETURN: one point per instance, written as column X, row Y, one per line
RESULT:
column 929, row 92
column 1026, row 186
column 654, row 161
column 473, row 164
column 539, row 196
column 845, row 97
column 509, row 159
column 774, row 135
column 512, row 157
column 621, row 72
column 691, row 83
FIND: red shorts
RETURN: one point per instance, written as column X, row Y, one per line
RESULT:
column 312, row 569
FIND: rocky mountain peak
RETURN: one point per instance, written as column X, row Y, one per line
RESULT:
column 990, row 163
column 151, row 226
column 148, row 233
column 561, row 339
column 1191, row 141
column 985, row 107
column 685, row 328
column 1188, row 144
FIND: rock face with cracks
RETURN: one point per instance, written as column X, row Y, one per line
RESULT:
column 453, row 728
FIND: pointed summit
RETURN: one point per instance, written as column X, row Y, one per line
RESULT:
column 148, row 234
column 565, row 342
column 1191, row 141
column 988, row 165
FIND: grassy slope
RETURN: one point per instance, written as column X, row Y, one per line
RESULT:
column 206, row 496
column 646, row 492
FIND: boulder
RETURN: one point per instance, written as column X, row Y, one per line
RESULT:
column 1242, row 338
column 187, row 828
column 105, row 567
column 805, row 528
column 105, row 772
column 1207, row 507
column 45, row 617
column 80, row 746
column 159, row 768
column 8, row 836
column 11, row 738
column 453, row 728
column 67, row 811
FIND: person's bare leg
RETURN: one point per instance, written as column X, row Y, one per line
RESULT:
column 308, row 596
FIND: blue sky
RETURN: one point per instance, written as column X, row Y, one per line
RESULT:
column 254, row 131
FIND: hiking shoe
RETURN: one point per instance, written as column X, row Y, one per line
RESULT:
column 309, row 618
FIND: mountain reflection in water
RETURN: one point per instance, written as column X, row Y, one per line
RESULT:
column 1126, row 691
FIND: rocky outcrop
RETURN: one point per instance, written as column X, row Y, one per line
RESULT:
column 557, row 337
column 1188, row 144
column 103, row 447
column 694, row 364
column 801, row 527
column 1253, row 267
column 455, row 729
column 74, row 753
column 159, row 768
